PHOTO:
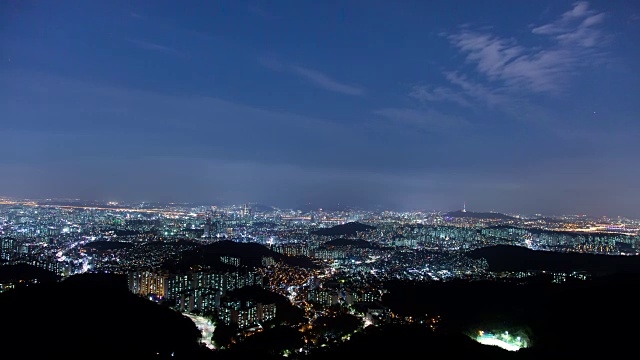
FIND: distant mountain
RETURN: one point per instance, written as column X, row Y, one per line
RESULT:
column 518, row 258
column 479, row 215
column 326, row 207
column 262, row 207
column 348, row 229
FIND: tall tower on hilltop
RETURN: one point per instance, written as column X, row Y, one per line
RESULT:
column 464, row 207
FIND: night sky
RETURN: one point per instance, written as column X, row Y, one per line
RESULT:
column 511, row 106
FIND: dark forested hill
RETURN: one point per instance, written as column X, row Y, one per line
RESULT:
column 250, row 255
column 409, row 341
column 26, row 273
column 479, row 215
column 518, row 258
column 351, row 242
column 581, row 317
column 102, row 245
column 93, row 316
column 348, row 229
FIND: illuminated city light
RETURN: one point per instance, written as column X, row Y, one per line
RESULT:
column 503, row 340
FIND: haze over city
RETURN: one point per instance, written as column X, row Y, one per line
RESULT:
column 517, row 107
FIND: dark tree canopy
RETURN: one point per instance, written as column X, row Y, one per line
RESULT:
column 26, row 272
column 518, row 258
column 96, row 316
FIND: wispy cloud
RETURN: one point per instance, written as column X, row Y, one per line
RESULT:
column 315, row 77
column 427, row 119
column 429, row 93
column 576, row 26
column 490, row 96
column 321, row 80
column 153, row 46
column 503, row 60
column 575, row 38
column 506, row 69
column 461, row 90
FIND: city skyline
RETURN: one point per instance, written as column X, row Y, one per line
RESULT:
column 232, row 279
column 306, row 212
column 403, row 106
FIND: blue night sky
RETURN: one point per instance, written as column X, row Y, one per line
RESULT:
column 511, row 106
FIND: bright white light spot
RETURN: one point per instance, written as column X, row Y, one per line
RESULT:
column 503, row 341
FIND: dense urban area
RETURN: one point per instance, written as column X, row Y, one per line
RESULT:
column 229, row 268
